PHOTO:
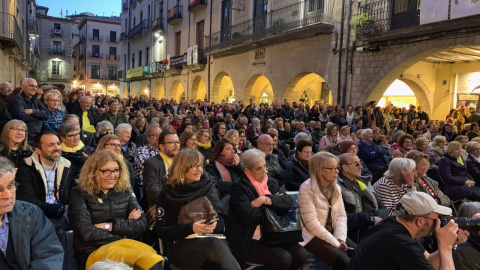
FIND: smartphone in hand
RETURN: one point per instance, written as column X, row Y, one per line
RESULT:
column 212, row 221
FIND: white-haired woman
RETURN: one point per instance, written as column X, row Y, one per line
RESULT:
column 103, row 128
column 398, row 180
column 53, row 100
column 253, row 131
column 323, row 213
column 129, row 149
column 248, row 197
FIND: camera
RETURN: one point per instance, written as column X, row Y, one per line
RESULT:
column 469, row 224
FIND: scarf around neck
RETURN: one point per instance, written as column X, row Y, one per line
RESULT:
column 221, row 165
column 65, row 148
column 205, row 145
column 260, row 187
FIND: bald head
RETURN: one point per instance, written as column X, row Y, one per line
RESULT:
column 265, row 144
column 29, row 87
column 85, row 103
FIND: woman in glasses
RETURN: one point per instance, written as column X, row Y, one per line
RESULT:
column 205, row 144
column 73, row 148
column 249, row 196
column 13, row 142
column 186, row 182
column 112, row 142
column 323, row 213
column 105, row 215
column 53, row 101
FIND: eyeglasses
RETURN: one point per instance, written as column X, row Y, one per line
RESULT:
column 73, row 135
column 270, row 144
column 357, row 164
column 333, row 168
column 54, row 100
column 116, row 145
column 11, row 187
column 19, row 130
column 109, row 172
column 154, row 135
column 172, row 143
column 197, row 167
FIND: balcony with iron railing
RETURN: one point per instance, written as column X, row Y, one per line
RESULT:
column 291, row 21
column 96, row 55
column 139, row 28
column 133, row 3
column 157, row 24
column 32, row 24
column 95, row 38
column 175, row 14
column 388, row 18
column 10, row 34
column 112, row 57
column 56, row 32
column 195, row 6
column 56, row 51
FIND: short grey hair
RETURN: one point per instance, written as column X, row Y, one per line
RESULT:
column 343, row 159
column 252, row 156
column 2, row 85
column 439, row 139
column 66, row 128
column 102, row 125
column 123, row 126
column 301, row 136
column 255, row 121
column 109, row 265
column 70, row 117
column 396, row 166
column 6, row 166
column 365, row 131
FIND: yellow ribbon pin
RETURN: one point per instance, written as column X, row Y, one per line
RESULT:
column 100, row 200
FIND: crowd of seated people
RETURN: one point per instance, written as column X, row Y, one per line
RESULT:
column 112, row 169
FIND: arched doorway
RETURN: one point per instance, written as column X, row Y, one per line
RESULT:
column 133, row 93
column 222, row 88
column 176, row 91
column 308, row 88
column 399, row 94
column 199, row 90
column 144, row 90
column 125, row 91
column 158, row 91
column 259, row 89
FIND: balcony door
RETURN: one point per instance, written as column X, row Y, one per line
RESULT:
column 405, row 13
column 260, row 15
column 226, row 24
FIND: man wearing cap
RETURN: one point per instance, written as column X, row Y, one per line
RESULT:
column 392, row 245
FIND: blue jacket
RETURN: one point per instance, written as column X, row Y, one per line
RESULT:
column 54, row 120
column 371, row 154
column 34, row 239
column 17, row 105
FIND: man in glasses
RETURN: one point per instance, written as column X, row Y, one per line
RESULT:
column 27, row 238
column 28, row 108
column 362, row 207
column 278, row 168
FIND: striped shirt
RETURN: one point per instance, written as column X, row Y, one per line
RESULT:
column 389, row 194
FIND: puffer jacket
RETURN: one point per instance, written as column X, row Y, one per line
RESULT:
column 314, row 211
column 86, row 210
column 454, row 176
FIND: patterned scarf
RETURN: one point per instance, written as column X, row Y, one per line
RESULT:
column 220, row 165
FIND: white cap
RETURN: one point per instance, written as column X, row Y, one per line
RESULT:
column 420, row 203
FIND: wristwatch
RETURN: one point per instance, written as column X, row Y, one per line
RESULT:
column 107, row 226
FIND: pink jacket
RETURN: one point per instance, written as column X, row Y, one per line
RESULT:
column 314, row 210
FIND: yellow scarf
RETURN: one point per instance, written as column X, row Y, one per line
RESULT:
column 86, row 123
column 361, row 185
column 67, row 149
column 459, row 160
column 166, row 159
column 205, row 145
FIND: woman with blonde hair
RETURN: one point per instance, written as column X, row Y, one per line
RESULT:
column 103, row 212
column 205, row 144
column 186, row 183
column 14, row 142
column 323, row 213
column 452, row 168
column 234, row 136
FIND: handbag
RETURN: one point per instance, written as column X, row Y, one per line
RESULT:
column 281, row 229
column 198, row 209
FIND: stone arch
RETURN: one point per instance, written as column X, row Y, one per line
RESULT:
column 176, row 90
column 222, row 86
column 312, row 83
column 256, row 86
column 132, row 90
column 158, row 91
column 421, row 91
column 199, row 89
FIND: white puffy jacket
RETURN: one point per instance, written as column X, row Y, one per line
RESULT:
column 314, row 210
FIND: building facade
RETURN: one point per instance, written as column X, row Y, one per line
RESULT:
column 55, row 42
column 97, row 55
column 17, row 30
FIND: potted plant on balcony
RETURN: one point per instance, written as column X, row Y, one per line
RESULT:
column 362, row 24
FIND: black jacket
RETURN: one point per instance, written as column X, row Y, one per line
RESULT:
column 17, row 105
column 236, row 173
column 154, row 178
column 207, row 153
column 88, row 138
column 473, row 167
column 300, row 173
column 243, row 219
column 131, row 152
column 172, row 198
column 92, row 115
column 31, row 177
column 78, row 159
column 86, row 210
column 5, row 116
